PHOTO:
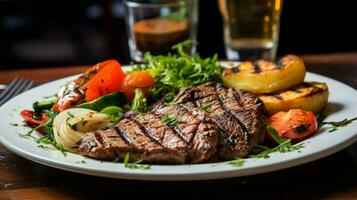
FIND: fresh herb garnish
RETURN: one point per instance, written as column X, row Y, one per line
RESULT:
column 238, row 162
column 48, row 140
column 206, row 106
column 139, row 103
column 134, row 165
column 48, row 128
column 336, row 125
column 45, row 147
column 274, row 134
column 283, row 145
column 81, row 162
column 170, row 120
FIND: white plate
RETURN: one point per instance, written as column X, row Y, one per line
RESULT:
column 343, row 101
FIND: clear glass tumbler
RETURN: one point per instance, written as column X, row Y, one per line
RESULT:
column 156, row 27
column 251, row 28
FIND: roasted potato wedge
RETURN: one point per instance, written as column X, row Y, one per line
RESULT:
column 263, row 76
column 310, row 96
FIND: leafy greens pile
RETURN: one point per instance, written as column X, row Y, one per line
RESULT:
column 175, row 71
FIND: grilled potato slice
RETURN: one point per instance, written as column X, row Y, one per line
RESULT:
column 310, row 96
column 263, row 76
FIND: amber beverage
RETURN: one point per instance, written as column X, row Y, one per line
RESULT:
column 251, row 28
column 156, row 27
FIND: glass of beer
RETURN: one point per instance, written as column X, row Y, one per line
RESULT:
column 251, row 28
column 156, row 25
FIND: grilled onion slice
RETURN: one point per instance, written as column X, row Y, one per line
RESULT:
column 70, row 125
column 263, row 76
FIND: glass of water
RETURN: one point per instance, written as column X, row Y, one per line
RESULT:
column 156, row 25
column 251, row 28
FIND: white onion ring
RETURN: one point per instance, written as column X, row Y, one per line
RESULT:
column 72, row 124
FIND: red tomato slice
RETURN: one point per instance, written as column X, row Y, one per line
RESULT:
column 296, row 124
column 27, row 115
column 99, row 66
column 109, row 79
column 66, row 101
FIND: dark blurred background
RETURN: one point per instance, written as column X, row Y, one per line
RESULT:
column 59, row 33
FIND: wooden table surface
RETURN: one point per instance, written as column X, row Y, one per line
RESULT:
column 333, row 177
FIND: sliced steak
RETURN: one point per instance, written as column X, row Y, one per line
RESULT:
column 126, row 136
column 238, row 115
column 147, row 137
column 163, row 134
column 192, row 125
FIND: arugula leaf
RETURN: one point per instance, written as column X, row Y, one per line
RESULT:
column 175, row 71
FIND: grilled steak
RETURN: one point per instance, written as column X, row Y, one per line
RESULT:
column 189, row 138
column 238, row 114
column 203, row 121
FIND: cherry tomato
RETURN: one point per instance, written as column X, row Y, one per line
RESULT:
column 28, row 116
column 296, row 124
column 137, row 79
column 109, row 79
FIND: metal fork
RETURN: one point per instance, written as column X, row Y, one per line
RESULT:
column 17, row 86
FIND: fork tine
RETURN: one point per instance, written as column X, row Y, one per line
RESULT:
column 22, row 88
column 13, row 90
column 9, row 87
column 28, row 86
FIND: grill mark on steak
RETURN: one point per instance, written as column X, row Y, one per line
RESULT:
column 162, row 134
column 122, row 135
column 187, row 122
column 111, row 148
column 232, row 105
column 230, row 126
column 237, row 116
column 135, row 136
column 144, row 130
column 99, row 138
column 201, row 135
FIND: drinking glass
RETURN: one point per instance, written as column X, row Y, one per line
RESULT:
column 158, row 25
column 251, row 28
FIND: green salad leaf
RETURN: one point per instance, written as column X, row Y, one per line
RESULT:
column 112, row 99
column 139, row 103
column 175, row 71
column 115, row 112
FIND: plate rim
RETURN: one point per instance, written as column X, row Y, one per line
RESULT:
column 140, row 175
